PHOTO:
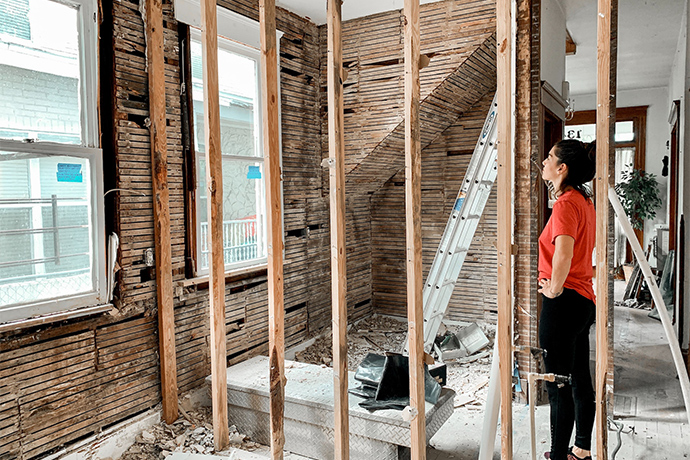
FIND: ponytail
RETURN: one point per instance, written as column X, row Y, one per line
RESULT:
column 580, row 158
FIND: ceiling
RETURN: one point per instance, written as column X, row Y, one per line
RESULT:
column 648, row 32
column 315, row 10
column 648, row 36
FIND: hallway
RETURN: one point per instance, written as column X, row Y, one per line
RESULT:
column 648, row 401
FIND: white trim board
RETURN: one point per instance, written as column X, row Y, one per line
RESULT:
column 231, row 25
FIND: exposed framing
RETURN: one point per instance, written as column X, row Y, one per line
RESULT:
column 606, row 117
column 413, row 230
column 270, row 101
column 504, row 329
column 336, row 148
column 219, row 395
column 155, row 55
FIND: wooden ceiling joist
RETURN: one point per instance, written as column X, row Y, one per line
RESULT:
column 570, row 46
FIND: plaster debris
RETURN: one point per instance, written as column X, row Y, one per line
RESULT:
column 191, row 433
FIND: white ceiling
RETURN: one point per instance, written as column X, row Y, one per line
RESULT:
column 315, row 10
column 648, row 32
column 648, row 35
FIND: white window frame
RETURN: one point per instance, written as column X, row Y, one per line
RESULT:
column 242, row 36
column 88, row 74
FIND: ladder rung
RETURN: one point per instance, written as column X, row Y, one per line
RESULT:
column 447, row 282
column 472, row 197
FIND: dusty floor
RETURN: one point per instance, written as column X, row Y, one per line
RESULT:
column 193, row 431
column 648, row 400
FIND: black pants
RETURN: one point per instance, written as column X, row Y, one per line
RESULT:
column 564, row 334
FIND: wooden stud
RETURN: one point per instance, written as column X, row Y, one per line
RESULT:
column 336, row 149
column 605, row 125
column 504, row 330
column 155, row 57
column 276, row 314
column 413, row 227
column 214, row 181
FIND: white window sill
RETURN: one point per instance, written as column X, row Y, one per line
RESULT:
column 55, row 317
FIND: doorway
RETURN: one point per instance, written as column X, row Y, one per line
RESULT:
column 630, row 143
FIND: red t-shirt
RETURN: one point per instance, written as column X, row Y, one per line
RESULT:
column 572, row 215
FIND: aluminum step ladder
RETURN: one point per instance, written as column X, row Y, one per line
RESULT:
column 462, row 224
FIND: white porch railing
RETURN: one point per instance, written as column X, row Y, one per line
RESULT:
column 239, row 241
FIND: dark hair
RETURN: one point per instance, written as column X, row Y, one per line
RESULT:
column 580, row 158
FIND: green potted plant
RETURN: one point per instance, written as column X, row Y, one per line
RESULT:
column 639, row 195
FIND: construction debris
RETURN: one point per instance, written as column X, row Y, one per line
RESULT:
column 192, row 433
column 379, row 334
column 375, row 334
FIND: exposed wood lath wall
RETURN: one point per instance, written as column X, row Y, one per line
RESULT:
column 451, row 33
column 458, row 35
column 454, row 95
column 444, row 163
column 67, row 381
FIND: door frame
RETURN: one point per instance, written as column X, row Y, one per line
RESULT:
column 638, row 116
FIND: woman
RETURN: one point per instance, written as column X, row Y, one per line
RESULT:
column 568, row 309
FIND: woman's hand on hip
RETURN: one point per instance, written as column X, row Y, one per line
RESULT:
column 545, row 288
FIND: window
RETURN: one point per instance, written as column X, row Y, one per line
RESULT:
column 244, row 200
column 51, row 223
column 244, row 235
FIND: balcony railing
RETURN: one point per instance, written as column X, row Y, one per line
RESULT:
column 240, row 241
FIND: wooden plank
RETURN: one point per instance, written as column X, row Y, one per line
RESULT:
column 676, row 353
column 336, row 149
column 270, row 101
column 413, row 230
column 214, row 181
column 603, row 179
column 161, row 207
column 504, row 328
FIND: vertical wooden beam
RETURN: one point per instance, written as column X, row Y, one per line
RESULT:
column 336, row 151
column 504, row 330
column 214, row 182
column 155, row 55
column 413, row 231
column 605, row 127
column 276, row 314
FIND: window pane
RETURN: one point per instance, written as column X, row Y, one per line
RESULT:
column 46, row 241
column 238, row 102
column 624, row 131
column 588, row 133
column 243, row 216
column 39, row 72
column 584, row 133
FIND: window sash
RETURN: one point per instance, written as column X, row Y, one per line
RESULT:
column 98, row 271
column 233, row 30
column 253, row 54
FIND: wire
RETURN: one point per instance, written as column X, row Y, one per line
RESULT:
column 124, row 190
column 619, row 429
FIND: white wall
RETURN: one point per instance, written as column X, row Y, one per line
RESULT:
column 553, row 44
column 658, row 133
column 684, row 167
